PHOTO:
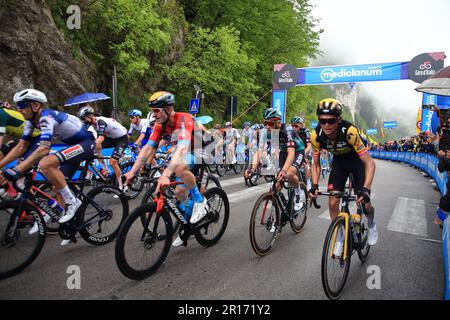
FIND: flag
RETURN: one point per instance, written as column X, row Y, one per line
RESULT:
column 382, row 133
column 419, row 120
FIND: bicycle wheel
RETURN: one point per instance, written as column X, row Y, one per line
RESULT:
column 221, row 169
column 141, row 249
column 101, row 214
column 237, row 168
column 212, row 182
column 334, row 270
column 269, row 178
column 18, row 251
column 137, row 184
column 253, row 180
column 264, row 222
column 213, row 226
column 212, row 168
column 299, row 217
column 364, row 248
column 51, row 226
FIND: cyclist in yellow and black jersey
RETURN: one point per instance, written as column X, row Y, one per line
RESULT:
column 11, row 124
column 351, row 155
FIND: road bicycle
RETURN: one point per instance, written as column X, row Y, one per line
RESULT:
column 354, row 228
column 271, row 212
column 97, row 220
column 144, row 240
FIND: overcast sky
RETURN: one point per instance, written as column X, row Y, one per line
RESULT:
column 362, row 31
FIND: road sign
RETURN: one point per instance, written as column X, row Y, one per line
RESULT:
column 194, row 106
column 390, row 124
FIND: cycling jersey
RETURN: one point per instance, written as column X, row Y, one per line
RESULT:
column 230, row 135
column 305, row 135
column 58, row 125
column 288, row 138
column 348, row 143
column 110, row 128
column 12, row 123
column 141, row 127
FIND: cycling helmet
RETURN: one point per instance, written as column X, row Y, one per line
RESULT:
column 297, row 120
column 228, row 124
column 30, row 95
column 135, row 113
column 255, row 126
column 329, row 106
column 247, row 124
column 161, row 99
column 272, row 114
column 85, row 111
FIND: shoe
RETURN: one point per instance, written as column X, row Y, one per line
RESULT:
column 339, row 244
column 199, row 211
column 372, row 237
column 36, row 226
column 65, row 242
column 177, row 242
column 273, row 228
column 70, row 212
column 298, row 203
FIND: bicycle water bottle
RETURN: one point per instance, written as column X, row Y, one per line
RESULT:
column 54, row 205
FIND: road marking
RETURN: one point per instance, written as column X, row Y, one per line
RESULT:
column 241, row 195
column 233, row 181
column 409, row 217
column 326, row 214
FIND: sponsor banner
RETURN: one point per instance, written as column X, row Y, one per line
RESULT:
column 427, row 116
column 284, row 76
column 425, row 65
column 389, row 124
column 372, row 131
column 279, row 102
column 353, row 73
column 442, row 102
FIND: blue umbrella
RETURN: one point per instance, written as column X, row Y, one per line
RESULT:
column 86, row 97
column 204, row 119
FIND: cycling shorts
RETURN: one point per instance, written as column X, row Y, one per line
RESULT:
column 298, row 160
column 340, row 171
column 71, row 157
column 119, row 144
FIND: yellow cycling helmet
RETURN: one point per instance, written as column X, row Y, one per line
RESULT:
column 329, row 106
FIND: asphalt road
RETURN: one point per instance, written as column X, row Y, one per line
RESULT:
column 407, row 258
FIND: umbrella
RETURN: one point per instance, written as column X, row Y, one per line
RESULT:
column 86, row 97
column 438, row 84
column 204, row 119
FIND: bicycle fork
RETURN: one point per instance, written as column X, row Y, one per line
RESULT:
column 348, row 223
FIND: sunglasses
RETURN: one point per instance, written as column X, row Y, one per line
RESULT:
column 271, row 122
column 329, row 121
column 157, row 110
column 23, row 104
column 296, row 126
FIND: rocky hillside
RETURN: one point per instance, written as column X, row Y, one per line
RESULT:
column 34, row 53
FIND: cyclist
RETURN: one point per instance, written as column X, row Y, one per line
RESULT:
column 179, row 127
column 139, row 125
column 53, row 125
column 298, row 124
column 11, row 124
column 343, row 140
column 291, row 153
column 231, row 137
column 110, row 134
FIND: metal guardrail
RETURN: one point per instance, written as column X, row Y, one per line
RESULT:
column 427, row 163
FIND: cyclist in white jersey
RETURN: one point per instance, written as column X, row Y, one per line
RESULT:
column 59, row 126
column 139, row 125
column 110, row 134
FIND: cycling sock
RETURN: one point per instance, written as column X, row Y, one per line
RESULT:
column 308, row 184
column 196, row 195
column 67, row 195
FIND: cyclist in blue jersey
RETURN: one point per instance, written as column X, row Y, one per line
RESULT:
column 139, row 125
column 59, row 126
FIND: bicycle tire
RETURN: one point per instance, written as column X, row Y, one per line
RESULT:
column 212, row 217
column 264, row 249
column 335, row 293
column 363, row 252
column 237, row 168
column 86, row 232
column 221, row 169
column 253, row 180
column 125, row 265
column 297, row 226
column 269, row 178
column 136, row 186
column 9, row 271
column 212, row 178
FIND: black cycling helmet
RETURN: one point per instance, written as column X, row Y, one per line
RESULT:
column 297, row 120
column 161, row 99
column 272, row 114
column 329, row 106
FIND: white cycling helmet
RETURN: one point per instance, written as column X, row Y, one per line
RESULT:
column 30, row 95
column 85, row 111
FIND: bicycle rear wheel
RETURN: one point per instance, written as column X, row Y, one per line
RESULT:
column 141, row 249
column 334, row 270
column 101, row 214
column 221, row 169
column 213, row 226
column 264, row 222
column 18, row 251
column 363, row 250
column 238, row 167
column 253, row 180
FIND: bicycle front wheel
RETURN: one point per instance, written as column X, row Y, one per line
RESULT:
column 299, row 217
column 212, row 182
column 101, row 214
column 335, row 268
column 364, row 247
column 19, row 250
column 141, row 249
column 264, row 222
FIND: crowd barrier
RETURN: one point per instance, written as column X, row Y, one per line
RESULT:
column 427, row 163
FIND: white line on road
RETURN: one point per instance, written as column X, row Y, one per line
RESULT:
column 233, row 181
column 409, row 217
column 241, row 195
